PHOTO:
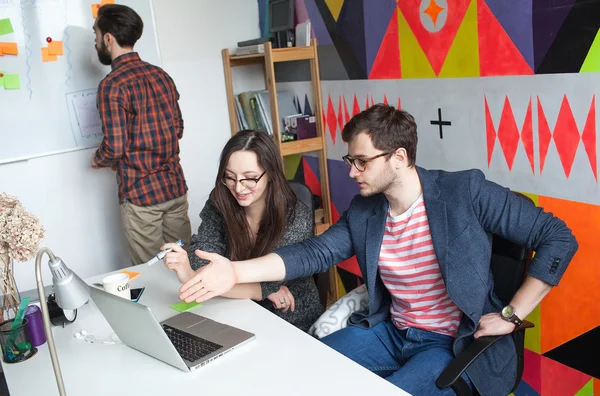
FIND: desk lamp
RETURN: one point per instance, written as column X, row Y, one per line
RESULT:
column 71, row 293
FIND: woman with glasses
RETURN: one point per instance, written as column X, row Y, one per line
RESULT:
column 251, row 211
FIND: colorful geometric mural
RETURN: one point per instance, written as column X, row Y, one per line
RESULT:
column 454, row 38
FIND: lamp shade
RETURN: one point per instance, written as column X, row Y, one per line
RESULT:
column 71, row 292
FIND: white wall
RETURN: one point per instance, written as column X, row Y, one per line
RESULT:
column 78, row 205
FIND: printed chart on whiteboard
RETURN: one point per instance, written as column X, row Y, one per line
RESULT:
column 49, row 74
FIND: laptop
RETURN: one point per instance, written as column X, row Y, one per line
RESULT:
column 186, row 341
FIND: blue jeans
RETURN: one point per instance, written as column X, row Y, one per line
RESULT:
column 411, row 359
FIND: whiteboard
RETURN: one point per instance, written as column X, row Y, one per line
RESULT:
column 54, row 110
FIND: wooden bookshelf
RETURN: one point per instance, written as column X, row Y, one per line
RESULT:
column 316, row 145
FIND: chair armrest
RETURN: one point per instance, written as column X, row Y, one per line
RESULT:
column 452, row 373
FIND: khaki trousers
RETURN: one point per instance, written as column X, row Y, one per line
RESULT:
column 147, row 228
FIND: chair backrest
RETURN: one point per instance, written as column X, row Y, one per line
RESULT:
column 509, row 264
column 305, row 196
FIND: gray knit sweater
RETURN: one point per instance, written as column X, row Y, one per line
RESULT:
column 212, row 237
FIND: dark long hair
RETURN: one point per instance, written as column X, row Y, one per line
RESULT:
column 280, row 198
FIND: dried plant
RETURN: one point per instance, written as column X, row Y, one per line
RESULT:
column 20, row 237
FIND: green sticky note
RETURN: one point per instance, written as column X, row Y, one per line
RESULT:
column 11, row 81
column 5, row 26
column 182, row 306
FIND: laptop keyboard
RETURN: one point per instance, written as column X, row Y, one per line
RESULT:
column 190, row 347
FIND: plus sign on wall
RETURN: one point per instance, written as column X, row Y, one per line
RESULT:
column 441, row 124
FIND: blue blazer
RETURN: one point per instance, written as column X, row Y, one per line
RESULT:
column 463, row 210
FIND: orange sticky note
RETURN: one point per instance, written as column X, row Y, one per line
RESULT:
column 55, row 48
column 131, row 274
column 9, row 48
column 102, row 2
column 47, row 57
column 95, row 8
column 1, row 53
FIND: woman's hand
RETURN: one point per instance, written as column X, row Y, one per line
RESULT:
column 283, row 299
column 178, row 261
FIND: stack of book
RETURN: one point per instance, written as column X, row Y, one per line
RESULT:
column 253, row 110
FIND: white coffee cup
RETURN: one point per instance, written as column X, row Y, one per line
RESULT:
column 117, row 284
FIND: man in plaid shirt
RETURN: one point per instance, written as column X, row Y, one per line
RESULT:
column 142, row 125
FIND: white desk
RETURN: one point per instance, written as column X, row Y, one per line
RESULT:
column 280, row 359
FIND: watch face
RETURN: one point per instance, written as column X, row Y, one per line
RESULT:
column 507, row 311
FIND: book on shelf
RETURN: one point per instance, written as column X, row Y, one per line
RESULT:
column 255, row 111
column 250, row 49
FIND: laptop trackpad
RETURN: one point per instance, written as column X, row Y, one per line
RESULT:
column 207, row 327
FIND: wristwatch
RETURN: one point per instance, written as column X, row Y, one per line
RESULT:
column 509, row 314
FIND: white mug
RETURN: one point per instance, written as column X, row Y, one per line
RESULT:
column 117, row 284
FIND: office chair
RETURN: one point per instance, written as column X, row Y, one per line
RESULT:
column 305, row 196
column 509, row 268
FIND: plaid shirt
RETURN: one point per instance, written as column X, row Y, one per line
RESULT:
column 142, row 125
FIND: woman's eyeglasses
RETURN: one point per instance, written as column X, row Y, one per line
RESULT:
column 248, row 183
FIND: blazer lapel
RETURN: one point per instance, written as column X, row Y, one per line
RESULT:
column 436, row 215
column 374, row 238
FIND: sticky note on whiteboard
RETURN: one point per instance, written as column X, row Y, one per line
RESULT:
column 11, row 81
column 95, row 8
column 55, row 48
column 46, row 57
column 5, row 26
column 9, row 48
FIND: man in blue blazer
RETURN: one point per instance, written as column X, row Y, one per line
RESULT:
column 404, row 336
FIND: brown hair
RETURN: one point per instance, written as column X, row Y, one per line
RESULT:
column 388, row 128
column 280, row 198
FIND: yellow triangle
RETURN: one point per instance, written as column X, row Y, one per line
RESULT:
column 533, row 336
column 534, row 198
column 592, row 60
column 413, row 61
column 335, row 6
column 463, row 57
column 587, row 390
column 291, row 164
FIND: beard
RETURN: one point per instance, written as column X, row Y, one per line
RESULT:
column 104, row 55
column 383, row 183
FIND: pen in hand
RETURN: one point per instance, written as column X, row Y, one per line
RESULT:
column 162, row 254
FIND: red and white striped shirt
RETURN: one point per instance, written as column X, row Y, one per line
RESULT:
column 410, row 271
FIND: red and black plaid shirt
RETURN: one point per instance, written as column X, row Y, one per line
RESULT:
column 142, row 125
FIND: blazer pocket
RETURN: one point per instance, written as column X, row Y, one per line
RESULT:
column 464, row 233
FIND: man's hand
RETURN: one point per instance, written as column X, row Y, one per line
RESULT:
column 283, row 299
column 212, row 280
column 493, row 324
column 178, row 261
column 93, row 163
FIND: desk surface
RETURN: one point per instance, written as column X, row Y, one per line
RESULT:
column 281, row 358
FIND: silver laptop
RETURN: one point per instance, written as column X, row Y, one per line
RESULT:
column 186, row 341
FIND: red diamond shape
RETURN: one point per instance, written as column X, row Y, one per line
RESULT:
column 566, row 136
column 588, row 137
column 331, row 119
column 340, row 116
column 508, row 133
column 490, row 131
column 544, row 134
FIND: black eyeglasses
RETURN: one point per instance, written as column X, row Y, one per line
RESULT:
column 248, row 183
column 361, row 163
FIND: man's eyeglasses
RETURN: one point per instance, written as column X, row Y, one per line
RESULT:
column 248, row 183
column 361, row 163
